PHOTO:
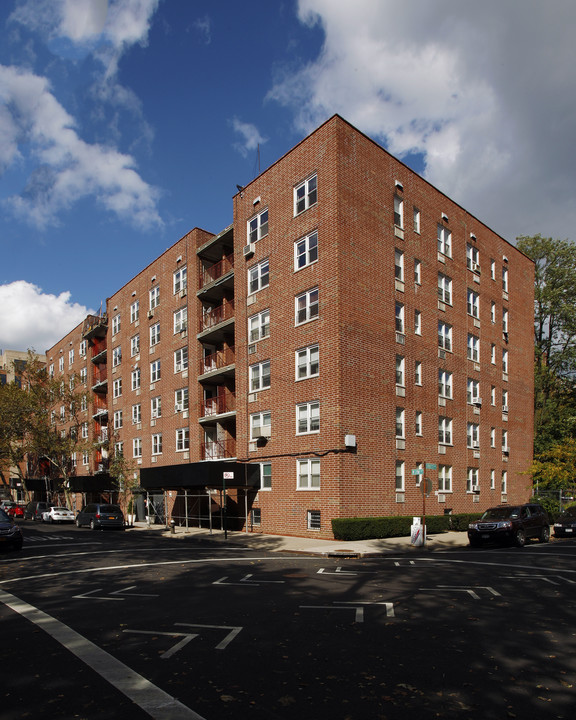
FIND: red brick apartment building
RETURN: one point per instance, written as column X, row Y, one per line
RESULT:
column 352, row 325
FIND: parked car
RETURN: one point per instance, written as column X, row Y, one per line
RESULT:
column 565, row 526
column 58, row 514
column 510, row 523
column 10, row 533
column 13, row 509
column 35, row 508
column 100, row 516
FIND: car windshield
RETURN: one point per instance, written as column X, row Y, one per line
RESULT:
column 3, row 516
column 500, row 513
column 60, row 509
column 110, row 509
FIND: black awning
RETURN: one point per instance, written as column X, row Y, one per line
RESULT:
column 93, row 483
column 200, row 474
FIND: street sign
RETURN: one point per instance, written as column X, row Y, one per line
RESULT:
column 228, row 476
column 418, row 471
column 430, row 466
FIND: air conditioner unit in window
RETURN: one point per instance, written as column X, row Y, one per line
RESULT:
column 150, row 314
column 476, row 445
column 505, row 408
column 506, row 450
column 264, row 431
column 178, row 408
column 475, row 268
column 183, row 293
column 248, row 250
column 477, row 402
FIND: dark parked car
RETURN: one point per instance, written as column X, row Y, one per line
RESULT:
column 34, row 509
column 100, row 516
column 565, row 526
column 10, row 533
column 510, row 523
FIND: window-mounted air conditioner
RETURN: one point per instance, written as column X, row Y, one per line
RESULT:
column 265, row 431
column 506, row 450
column 183, row 293
column 476, row 445
column 248, row 250
column 475, row 268
column 505, row 408
column 150, row 314
column 477, row 402
column 178, row 408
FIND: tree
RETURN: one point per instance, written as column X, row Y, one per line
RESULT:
column 16, row 408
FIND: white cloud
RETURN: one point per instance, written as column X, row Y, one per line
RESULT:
column 204, row 27
column 483, row 91
column 250, row 134
column 31, row 319
column 67, row 168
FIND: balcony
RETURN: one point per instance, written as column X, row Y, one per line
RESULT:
column 219, row 405
column 99, row 407
column 217, row 361
column 99, row 351
column 218, row 450
column 212, row 321
column 221, row 268
column 100, row 380
column 95, row 326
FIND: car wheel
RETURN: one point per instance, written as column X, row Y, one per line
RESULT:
column 78, row 523
column 92, row 525
column 520, row 538
column 545, row 534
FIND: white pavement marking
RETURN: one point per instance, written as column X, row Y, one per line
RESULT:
column 359, row 615
column 388, row 605
column 245, row 581
column 234, row 630
column 157, row 703
column 186, row 637
column 122, row 591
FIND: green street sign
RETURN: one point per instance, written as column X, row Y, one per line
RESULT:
column 418, row 471
column 430, row 466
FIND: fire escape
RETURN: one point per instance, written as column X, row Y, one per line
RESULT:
column 95, row 332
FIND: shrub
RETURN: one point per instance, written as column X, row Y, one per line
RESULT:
column 374, row 528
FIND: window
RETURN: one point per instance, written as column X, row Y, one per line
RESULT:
column 444, row 241
column 180, row 280
column 83, row 403
column 258, row 277
column 492, row 312
column 416, row 217
column 62, row 412
column 307, row 306
column 74, row 459
column 118, row 449
column 445, row 336
column 472, row 435
column 308, row 418
column 306, row 251
column 472, row 391
column 116, row 356
column 134, row 345
column 472, row 480
column 85, row 458
column 493, row 437
column 417, row 322
column 117, row 388
column 445, row 430
column 181, row 359
column 256, row 516
column 445, row 478
column 136, row 379
column 400, row 429
column 305, row 194
column 418, row 423
column 398, row 211
column 504, row 320
column 493, row 354
column 504, row 400
column 418, row 372
column 472, row 259
column 84, row 375
column 473, row 348
column 61, row 364
column 259, row 326
column 84, row 430
column 492, row 479
column 473, row 304
column 155, row 371
column 399, row 370
column 154, row 296
column 399, row 265
column 181, row 320
column 117, row 419
column 504, row 361
column 155, row 407
column 51, row 370
column 136, row 414
column 399, row 476
column 260, row 376
column 182, row 439
column 154, row 334
column 313, row 520
column 492, row 395
column 266, row 476
column 417, row 272
column 137, row 447
column 260, row 424
column 157, row 444
column 135, row 311
column 504, row 484
column 399, row 318
column 505, row 279
column 308, row 474
column 444, row 289
column 258, row 226
column 445, row 384
column 181, row 400
column 504, row 441
column 115, row 324
column 307, row 362
column 492, row 269
column 71, row 357
column 82, row 351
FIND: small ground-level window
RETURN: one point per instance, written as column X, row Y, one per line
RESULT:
column 313, row 519
column 256, row 516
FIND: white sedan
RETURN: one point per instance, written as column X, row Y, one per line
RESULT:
column 58, row 514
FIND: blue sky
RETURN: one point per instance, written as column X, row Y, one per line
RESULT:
column 125, row 123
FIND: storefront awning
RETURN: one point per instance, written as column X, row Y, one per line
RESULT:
column 200, row 474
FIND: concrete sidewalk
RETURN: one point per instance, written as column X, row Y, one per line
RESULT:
column 310, row 546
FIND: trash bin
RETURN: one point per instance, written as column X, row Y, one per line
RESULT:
column 417, row 532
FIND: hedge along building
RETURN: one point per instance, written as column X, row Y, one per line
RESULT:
column 350, row 326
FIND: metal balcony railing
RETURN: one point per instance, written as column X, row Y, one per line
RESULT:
column 218, row 450
column 219, row 359
column 220, row 404
column 208, row 275
column 217, row 315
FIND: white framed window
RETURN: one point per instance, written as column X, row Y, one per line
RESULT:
column 306, row 306
column 259, row 376
column 182, row 439
column 492, row 312
column 398, row 211
column 492, row 437
column 154, row 334
column 259, row 326
column 400, row 376
column 305, row 194
column 180, row 280
column 504, row 360
column 137, row 447
column 116, row 324
column 399, row 312
column 473, row 348
column 51, row 370
column 82, row 351
column 416, row 219
column 308, row 474
column 444, row 288
column 181, row 400
column 307, row 362
column 181, row 320
column 157, row 444
column 155, row 407
column 154, row 297
column 118, row 449
column 445, row 384
column 418, row 422
column 472, row 480
column 84, row 375
column 472, row 435
column 85, row 458
column 71, row 356
column 61, row 364
column 445, row 336
column 135, row 345
column 258, row 276
column 135, row 311
column 181, row 359
column 256, row 516
column 308, row 418
column 492, row 395
column 136, row 414
column 306, row 250
column 135, row 377
column 444, row 241
column 472, row 258
column 314, row 520
column 445, row 430
column 445, row 478
column 492, row 479
column 62, row 412
column 417, row 322
column 493, row 354
column 504, row 482
column 117, row 388
column 155, row 371
column 266, row 476
column 260, row 424
column 417, row 272
column 505, row 441
column 400, row 476
column 116, row 356
column 74, row 459
column 505, row 279
column 417, row 372
column 400, row 423
column 399, row 265
column 117, row 419
column 504, row 400
column 472, row 391
column 258, row 226
column 473, row 304
column 84, row 431
column 504, row 320
column 83, row 403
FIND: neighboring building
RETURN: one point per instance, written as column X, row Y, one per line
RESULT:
column 13, row 364
column 353, row 325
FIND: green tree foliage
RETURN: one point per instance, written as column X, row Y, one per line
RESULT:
column 555, row 468
column 16, row 410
